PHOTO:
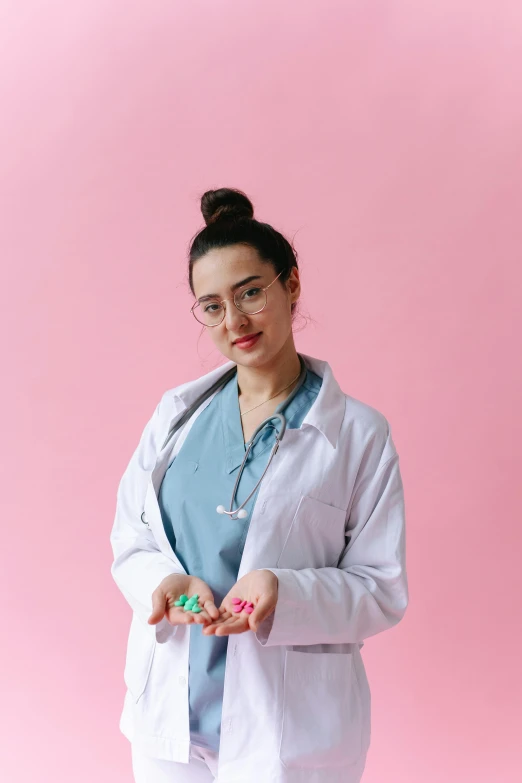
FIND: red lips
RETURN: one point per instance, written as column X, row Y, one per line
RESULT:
column 246, row 338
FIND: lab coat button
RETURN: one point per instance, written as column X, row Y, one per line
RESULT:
column 182, row 680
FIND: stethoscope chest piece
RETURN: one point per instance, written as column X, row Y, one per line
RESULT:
column 241, row 514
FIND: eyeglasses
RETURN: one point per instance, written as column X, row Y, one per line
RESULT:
column 247, row 300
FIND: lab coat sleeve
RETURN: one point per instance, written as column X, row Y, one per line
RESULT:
column 367, row 592
column 139, row 566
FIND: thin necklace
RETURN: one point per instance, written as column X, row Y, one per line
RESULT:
column 274, row 395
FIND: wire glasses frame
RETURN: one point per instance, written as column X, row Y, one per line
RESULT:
column 222, row 301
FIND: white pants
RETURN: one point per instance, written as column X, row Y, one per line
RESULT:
column 202, row 768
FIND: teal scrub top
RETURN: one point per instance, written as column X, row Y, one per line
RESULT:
column 210, row 545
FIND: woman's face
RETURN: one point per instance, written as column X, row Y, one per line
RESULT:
column 216, row 273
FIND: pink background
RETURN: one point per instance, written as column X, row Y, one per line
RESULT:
column 385, row 139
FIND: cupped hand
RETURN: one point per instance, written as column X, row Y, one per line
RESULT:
column 169, row 591
column 260, row 588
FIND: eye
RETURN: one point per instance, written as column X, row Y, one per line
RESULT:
column 207, row 309
column 252, row 291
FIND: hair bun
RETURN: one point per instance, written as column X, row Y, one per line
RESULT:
column 225, row 204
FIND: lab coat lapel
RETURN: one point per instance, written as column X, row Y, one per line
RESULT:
column 295, row 473
column 327, row 412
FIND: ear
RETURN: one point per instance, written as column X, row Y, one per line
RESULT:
column 294, row 285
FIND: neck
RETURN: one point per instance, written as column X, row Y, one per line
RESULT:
column 257, row 384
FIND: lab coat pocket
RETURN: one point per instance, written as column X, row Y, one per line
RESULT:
column 322, row 715
column 140, row 653
column 316, row 537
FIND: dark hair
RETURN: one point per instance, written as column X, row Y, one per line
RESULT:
column 229, row 218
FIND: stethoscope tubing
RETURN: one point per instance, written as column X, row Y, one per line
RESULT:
column 278, row 414
column 279, row 437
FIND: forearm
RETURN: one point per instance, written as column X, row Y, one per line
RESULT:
column 329, row 605
column 368, row 590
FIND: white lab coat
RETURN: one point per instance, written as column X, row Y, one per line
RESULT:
column 329, row 521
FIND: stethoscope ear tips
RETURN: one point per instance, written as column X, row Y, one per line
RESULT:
column 242, row 514
column 220, row 509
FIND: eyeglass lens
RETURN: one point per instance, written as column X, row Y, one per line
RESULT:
column 212, row 312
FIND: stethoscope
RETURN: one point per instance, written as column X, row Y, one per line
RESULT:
column 279, row 434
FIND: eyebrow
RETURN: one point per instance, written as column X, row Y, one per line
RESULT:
column 233, row 287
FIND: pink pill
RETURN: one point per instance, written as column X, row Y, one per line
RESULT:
column 237, row 609
column 249, row 609
column 250, row 604
column 236, row 600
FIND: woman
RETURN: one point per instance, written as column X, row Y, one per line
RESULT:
column 264, row 681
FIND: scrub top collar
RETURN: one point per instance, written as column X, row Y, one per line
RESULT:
column 326, row 413
column 230, row 414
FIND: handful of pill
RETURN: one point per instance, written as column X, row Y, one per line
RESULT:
column 239, row 605
column 189, row 604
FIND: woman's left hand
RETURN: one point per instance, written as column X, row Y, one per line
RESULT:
column 259, row 587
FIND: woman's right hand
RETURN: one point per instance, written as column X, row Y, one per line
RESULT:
column 169, row 591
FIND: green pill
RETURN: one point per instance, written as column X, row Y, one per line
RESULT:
column 192, row 604
column 197, row 609
column 181, row 600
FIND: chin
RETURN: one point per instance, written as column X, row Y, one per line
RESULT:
column 253, row 358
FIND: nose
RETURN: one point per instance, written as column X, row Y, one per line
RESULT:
column 234, row 318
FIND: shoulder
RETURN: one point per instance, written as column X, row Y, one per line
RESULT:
column 180, row 397
column 363, row 415
column 168, row 407
column 368, row 428
column 190, row 389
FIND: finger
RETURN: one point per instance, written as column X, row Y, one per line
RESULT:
column 158, row 607
column 202, row 618
column 263, row 608
column 177, row 616
column 209, row 612
column 233, row 625
column 230, row 630
column 211, row 628
column 224, row 615
column 211, row 608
